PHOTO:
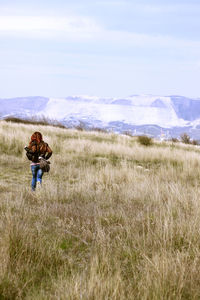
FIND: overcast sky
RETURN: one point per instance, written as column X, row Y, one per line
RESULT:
column 105, row 48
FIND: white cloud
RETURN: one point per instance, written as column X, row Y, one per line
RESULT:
column 34, row 26
column 78, row 28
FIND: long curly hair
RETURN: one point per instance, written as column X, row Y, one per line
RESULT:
column 36, row 136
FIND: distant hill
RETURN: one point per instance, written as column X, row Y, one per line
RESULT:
column 153, row 115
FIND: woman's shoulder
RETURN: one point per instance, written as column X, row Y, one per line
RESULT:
column 43, row 146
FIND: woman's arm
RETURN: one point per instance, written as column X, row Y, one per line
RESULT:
column 49, row 152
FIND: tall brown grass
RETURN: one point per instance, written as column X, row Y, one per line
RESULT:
column 113, row 220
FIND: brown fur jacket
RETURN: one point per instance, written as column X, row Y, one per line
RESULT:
column 42, row 149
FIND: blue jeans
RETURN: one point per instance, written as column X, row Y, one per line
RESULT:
column 37, row 176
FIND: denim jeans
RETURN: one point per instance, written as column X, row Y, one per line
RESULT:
column 37, row 176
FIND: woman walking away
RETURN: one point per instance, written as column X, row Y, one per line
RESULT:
column 36, row 151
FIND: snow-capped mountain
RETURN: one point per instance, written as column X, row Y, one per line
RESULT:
column 136, row 113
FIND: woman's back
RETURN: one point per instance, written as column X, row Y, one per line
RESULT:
column 39, row 149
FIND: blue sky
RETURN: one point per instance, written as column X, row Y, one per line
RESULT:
column 104, row 48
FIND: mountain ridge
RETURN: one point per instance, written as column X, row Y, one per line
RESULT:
column 171, row 114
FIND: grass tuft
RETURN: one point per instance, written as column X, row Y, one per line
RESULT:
column 145, row 140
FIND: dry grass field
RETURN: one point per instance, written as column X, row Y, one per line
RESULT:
column 113, row 219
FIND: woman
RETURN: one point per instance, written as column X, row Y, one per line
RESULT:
column 36, row 150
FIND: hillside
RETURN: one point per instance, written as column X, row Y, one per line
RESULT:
column 113, row 220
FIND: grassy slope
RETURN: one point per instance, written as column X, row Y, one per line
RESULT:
column 114, row 220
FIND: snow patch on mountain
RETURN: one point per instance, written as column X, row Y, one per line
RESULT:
column 132, row 110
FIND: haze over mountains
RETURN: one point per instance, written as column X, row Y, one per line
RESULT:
column 140, row 114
